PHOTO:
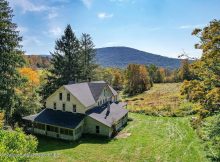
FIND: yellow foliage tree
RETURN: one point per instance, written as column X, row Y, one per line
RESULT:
column 31, row 75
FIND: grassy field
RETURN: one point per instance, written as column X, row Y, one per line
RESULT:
column 161, row 99
column 152, row 139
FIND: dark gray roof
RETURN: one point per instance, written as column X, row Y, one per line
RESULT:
column 96, row 89
column 88, row 93
column 57, row 118
column 101, row 113
column 82, row 92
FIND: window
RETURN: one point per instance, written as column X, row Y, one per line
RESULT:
column 64, row 106
column 97, row 129
column 68, row 97
column 52, row 129
column 66, row 131
column 39, row 126
column 55, row 105
column 61, row 96
column 74, row 108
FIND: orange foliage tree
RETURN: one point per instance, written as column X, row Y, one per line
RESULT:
column 31, row 75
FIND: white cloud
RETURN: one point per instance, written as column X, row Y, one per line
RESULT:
column 104, row 15
column 55, row 31
column 30, row 40
column 52, row 15
column 87, row 3
column 191, row 26
column 27, row 5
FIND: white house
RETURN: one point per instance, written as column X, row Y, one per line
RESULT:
column 74, row 109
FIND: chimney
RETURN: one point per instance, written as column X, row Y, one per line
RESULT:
column 71, row 82
column 89, row 79
column 108, row 110
column 108, row 107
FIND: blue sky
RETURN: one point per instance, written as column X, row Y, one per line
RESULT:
column 158, row 26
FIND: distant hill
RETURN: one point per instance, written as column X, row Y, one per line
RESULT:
column 116, row 57
column 122, row 56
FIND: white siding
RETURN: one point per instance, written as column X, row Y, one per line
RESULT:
column 106, row 95
column 54, row 98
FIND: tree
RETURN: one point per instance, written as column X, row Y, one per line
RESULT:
column 206, row 71
column 158, row 76
column 184, row 70
column 28, row 99
column 11, row 58
column 66, row 63
column 137, row 79
column 88, row 56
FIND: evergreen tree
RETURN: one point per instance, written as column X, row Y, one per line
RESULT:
column 11, row 58
column 88, row 56
column 66, row 62
column 184, row 70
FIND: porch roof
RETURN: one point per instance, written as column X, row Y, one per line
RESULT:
column 108, row 114
column 57, row 118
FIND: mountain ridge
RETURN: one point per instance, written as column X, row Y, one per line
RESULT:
column 120, row 56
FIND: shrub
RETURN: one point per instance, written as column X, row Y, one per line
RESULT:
column 16, row 146
column 210, row 133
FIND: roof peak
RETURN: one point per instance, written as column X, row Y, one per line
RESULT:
column 100, row 81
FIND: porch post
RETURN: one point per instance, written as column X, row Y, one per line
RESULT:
column 32, row 126
column 59, row 132
column 45, row 129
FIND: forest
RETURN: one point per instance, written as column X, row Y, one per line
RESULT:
column 25, row 82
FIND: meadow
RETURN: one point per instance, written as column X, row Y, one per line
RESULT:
column 151, row 139
column 161, row 100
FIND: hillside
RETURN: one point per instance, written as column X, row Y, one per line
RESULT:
column 161, row 100
column 122, row 56
column 116, row 57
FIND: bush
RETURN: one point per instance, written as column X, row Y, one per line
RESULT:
column 210, row 133
column 16, row 146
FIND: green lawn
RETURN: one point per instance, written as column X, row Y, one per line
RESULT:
column 152, row 139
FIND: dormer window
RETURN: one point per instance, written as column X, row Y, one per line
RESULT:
column 54, row 105
column 61, row 96
column 64, row 106
column 68, row 97
column 74, row 108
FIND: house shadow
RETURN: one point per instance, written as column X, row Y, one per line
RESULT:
column 51, row 144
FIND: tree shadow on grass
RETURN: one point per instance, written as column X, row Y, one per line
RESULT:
column 51, row 144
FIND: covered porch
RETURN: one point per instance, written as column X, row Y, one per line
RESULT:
column 56, row 124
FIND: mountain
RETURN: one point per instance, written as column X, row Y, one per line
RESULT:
column 116, row 57
column 122, row 56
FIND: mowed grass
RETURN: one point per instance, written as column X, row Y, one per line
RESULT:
column 162, row 99
column 152, row 139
